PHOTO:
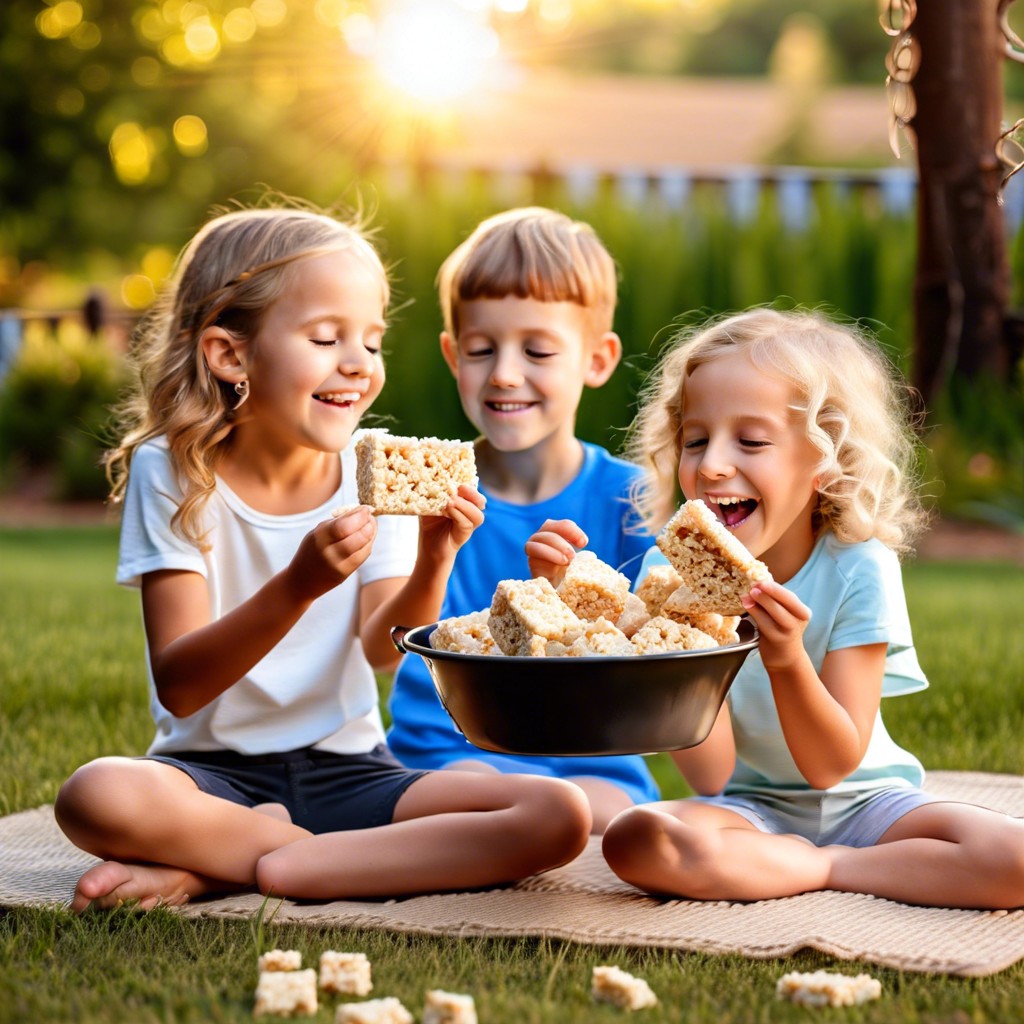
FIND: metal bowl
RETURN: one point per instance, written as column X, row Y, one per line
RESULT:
column 582, row 706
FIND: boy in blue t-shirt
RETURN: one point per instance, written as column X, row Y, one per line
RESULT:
column 528, row 301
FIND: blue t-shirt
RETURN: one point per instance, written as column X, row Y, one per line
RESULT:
column 855, row 593
column 422, row 734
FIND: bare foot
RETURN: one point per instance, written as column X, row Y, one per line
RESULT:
column 154, row 885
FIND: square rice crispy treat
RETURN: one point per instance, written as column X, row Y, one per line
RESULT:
column 599, row 639
column 655, row 587
column 280, row 960
column 448, row 1008
column 663, row 636
column 616, row 986
column 709, row 559
column 680, row 606
column 345, row 973
column 825, row 988
column 592, row 588
column 527, row 613
column 286, row 994
column 465, row 634
column 634, row 615
column 411, row 476
column 388, row 1010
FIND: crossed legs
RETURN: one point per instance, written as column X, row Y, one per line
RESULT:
column 940, row 854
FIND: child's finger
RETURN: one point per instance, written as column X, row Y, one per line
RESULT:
column 567, row 529
column 550, row 547
column 781, row 604
column 472, row 494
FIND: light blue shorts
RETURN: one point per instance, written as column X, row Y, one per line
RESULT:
column 826, row 819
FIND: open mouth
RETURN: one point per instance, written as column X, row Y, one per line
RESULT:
column 341, row 398
column 507, row 407
column 732, row 511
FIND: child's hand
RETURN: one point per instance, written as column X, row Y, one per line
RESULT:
column 442, row 536
column 553, row 547
column 781, row 619
column 332, row 551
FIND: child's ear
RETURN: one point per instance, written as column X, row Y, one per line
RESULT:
column 450, row 351
column 605, row 354
column 222, row 351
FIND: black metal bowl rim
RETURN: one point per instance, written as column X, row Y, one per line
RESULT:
column 399, row 633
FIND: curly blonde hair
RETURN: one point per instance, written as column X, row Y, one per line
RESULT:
column 857, row 412
column 235, row 267
column 533, row 253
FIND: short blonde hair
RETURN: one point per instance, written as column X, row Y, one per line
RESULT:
column 532, row 253
column 234, row 268
column 856, row 408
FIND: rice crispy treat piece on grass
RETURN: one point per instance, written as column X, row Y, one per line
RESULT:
column 709, row 559
column 601, row 638
column 280, row 960
column 448, row 1008
column 345, row 973
column 592, row 588
column 662, row 636
column 655, row 587
column 634, row 615
column 411, row 476
column 522, row 610
column 286, row 994
column 388, row 1010
column 465, row 634
column 825, row 988
column 618, row 987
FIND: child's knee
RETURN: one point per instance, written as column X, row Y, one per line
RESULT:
column 558, row 811
column 630, row 839
column 85, row 790
column 274, row 874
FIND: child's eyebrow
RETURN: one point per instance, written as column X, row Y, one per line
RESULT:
column 330, row 318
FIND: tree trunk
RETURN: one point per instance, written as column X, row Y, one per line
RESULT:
column 962, row 280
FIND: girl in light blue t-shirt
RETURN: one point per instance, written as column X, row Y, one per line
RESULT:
column 791, row 428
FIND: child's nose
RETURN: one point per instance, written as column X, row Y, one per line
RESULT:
column 716, row 464
column 355, row 361
column 506, row 373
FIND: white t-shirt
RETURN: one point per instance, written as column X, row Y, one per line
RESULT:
column 315, row 688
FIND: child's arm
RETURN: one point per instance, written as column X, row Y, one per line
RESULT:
column 553, row 547
column 708, row 766
column 826, row 720
column 417, row 600
column 195, row 659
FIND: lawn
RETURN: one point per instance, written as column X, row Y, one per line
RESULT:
column 72, row 687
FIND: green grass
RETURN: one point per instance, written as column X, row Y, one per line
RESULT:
column 72, row 686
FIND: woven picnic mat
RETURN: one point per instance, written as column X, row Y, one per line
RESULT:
column 584, row 902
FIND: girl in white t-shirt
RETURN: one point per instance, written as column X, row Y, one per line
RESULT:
column 265, row 615
column 793, row 430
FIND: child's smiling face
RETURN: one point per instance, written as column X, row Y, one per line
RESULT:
column 315, row 365
column 521, row 366
column 746, row 454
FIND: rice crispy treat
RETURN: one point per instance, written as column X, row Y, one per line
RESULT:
column 824, row 988
column 660, row 581
column 709, row 559
column 388, row 1010
column 345, row 973
column 621, row 989
column 662, row 636
column 411, row 476
column 465, row 634
column 280, row 960
column 343, row 510
column 679, row 606
column 522, row 610
column 286, row 994
column 634, row 615
column 448, row 1008
column 592, row 588
column 601, row 638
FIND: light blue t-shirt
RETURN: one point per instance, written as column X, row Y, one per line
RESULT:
column 855, row 593
column 423, row 736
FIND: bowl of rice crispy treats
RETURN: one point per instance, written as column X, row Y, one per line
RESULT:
column 587, row 667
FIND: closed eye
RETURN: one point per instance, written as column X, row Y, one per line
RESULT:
column 748, row 442
column 697, row 442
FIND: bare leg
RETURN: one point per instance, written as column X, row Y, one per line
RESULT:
column 451, row 830
column 709, row 853
column 162, row 839
column 940, row 855
column 606, row 799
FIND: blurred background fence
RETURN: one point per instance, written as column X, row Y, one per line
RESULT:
column 687, row 245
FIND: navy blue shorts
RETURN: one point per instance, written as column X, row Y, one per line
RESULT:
column 323, row 791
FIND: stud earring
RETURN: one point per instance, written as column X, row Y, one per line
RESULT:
column 242, row 390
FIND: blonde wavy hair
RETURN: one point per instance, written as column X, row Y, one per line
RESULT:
column 533, row 253
column 235, row 267
column 856, row 408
